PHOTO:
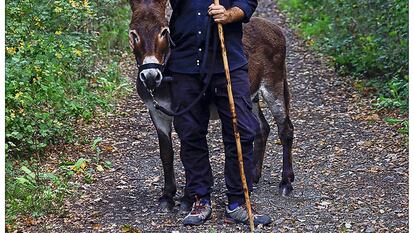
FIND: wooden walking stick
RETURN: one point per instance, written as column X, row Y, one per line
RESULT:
column 234, row 120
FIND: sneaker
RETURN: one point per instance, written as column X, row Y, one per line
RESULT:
column 200, row 212
column 239, row 214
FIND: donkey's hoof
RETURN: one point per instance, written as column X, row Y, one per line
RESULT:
column 285, row 188
column 166, row 204
column 257, row 174
column 185, row 207
column 256, row 178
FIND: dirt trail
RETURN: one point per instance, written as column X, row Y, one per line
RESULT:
column 351, row 168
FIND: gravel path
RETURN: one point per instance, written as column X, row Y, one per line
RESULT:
column 351, row 168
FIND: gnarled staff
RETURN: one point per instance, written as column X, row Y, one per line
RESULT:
column 234, row 120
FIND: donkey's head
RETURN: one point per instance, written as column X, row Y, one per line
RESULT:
column 149, row 38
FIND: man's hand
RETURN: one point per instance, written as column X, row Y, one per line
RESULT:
column 223, row 16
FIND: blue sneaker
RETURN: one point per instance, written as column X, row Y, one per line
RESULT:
column 238, row 214
column 200, row 212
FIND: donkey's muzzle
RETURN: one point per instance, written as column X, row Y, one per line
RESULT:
column 151, row 81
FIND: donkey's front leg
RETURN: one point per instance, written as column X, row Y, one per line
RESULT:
column 163, row 124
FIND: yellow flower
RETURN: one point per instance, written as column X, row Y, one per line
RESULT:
column 21, row 110
column 77, row 52
column 11, row 50
column 37, row 69
column 310, row 42
column 58, row 123
column 18, row 94
column 38, row 22
column 74, row 4
column 58, row 9
column 85, row 3
column 21, row 44
column 58, row 55
column 58, row 33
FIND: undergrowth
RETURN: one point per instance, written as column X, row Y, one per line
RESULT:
column 62, row 67
column 368, row 40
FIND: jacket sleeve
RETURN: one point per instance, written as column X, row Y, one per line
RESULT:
column 247, row 6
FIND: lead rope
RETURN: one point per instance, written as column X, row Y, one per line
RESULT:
column 202, row 74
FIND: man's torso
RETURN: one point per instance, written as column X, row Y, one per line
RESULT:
column 188, row 25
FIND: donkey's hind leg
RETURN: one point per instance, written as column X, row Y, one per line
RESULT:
column 277, row 99
column 163, row 124
column 259, row 141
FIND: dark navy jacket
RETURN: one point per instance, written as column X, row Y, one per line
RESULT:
column 188, row 27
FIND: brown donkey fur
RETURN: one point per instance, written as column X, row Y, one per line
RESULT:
column 265, row 47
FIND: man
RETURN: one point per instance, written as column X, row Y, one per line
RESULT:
column 188, row 25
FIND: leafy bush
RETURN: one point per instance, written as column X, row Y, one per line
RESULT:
column 57, row 69
column 61, row 66
column 36, row 188
column 31, row 191
column 367, row 39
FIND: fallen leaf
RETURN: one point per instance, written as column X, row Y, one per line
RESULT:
column 97, row 226
column 100, row 168
column 109, row 148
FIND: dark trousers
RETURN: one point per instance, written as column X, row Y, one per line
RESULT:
column 191, row 128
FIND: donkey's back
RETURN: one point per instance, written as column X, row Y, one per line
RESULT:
column 265, row 47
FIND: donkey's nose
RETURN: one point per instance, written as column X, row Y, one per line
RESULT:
column 149, row 80
column 158, row 77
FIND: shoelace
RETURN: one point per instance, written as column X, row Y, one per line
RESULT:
column 254, row 212
column 198, row 207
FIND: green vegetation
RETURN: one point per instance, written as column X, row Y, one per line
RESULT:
column 59, row 68
column 35, row 189
column 62, row 67
column 31, row 190
column 366, row 39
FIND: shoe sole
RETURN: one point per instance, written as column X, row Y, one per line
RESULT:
column 200, row 223
column 229, row 220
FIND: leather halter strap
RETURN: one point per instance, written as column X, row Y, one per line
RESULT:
column 151, row 66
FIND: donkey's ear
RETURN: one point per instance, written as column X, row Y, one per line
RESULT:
column 165, row 32
column 133, row 39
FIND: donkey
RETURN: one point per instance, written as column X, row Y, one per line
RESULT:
column 264, row 46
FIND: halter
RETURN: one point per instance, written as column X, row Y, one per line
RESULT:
column 147, row 66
